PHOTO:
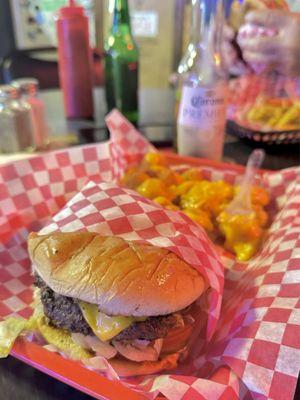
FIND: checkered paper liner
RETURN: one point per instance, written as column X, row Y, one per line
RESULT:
column 255, row 352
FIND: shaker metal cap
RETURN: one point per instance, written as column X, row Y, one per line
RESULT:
column 9, row 92
column 26, row 85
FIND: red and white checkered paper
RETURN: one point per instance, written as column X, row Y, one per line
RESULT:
column 255, row 352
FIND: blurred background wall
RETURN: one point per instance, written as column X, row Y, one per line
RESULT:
column 160, row 27
column 157, row 26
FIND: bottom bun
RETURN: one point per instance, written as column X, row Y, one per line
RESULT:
column 126, row 368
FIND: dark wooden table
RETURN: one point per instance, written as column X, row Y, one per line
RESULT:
column 19, row 381
column 156, row 123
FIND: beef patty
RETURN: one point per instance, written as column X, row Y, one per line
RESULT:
column 65, row 313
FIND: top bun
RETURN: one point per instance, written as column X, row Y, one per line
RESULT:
column 122, row 277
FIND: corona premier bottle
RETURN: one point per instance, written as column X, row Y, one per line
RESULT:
column 202, row 111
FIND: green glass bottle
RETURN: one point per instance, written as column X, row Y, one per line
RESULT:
column 121, row 64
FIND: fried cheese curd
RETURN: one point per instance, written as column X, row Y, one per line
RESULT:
column 203, row 201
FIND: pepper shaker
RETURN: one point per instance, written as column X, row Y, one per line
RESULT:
column 17, row 130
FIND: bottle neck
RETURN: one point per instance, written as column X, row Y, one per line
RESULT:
column 195, row 31
column 121, row 17
column 211, row 20
column 207, row 65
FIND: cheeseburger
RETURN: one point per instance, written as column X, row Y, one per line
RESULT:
column 130, row 303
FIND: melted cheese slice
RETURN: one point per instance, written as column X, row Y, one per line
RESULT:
column 105, row 327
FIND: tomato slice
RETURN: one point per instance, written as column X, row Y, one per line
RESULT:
column 176, row 339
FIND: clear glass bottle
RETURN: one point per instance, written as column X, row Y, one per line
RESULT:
column 16, row 121
column 29, row 88
column 188, row 59
column 202, row 111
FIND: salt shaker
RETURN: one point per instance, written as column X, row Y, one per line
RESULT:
column 29, row 87
column 16, row 121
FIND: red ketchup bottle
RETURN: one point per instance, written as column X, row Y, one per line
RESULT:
column 75, row 61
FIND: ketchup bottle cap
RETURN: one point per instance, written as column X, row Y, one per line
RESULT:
column 71, row 11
